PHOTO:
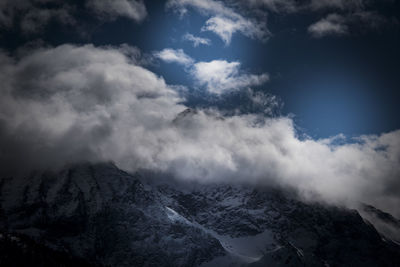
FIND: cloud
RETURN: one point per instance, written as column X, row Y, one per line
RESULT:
column 224, row 21
column 196, row 40
column 338, row 4
column 204, row 6
column 31, row 16
column 174, row 56
column 220, row 76
column 249, row 17
column 291, row 6
column 223, row 27
column 217, row 76
column 133, row 9
column 59, row 104
column 333, row 24
column 72, row 103
column 275, row 5
column 341, row 17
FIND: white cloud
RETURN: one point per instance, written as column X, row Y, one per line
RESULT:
column 196, row 40
column 74, row 103
column 220, row 76
column 170, row 55
column 224, row 20
column 333, row 24
column 223, row 27
column 217, row 76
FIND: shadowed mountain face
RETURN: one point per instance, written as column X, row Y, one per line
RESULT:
column 111, row 218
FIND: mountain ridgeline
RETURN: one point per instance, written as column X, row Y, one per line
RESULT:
column 99, row 215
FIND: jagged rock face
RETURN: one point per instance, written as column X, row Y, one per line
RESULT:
column 302, row 234
column 112, row 218
column 20, row 250
column 105, row 215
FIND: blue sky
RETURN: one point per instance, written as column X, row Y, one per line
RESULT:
column 334, row 84
column 337, row 83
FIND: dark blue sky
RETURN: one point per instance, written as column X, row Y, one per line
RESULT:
column 336, row 84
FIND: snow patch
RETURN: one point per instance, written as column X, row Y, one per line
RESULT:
column 246, row 249
column 176, row 217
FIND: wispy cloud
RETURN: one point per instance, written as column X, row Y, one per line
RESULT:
column 274, row 5
column 291, row 6
column 347, row 5
column 333, row 24
column 224, row 21
column 339, row 17
column 217, row 76
column 336, row 24
column 196, row 40
column 170, row 55
column 133, row 9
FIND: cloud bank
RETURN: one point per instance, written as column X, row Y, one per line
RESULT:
column 72, row 103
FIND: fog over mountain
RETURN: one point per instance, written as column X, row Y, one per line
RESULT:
column 93, row 82
column 84, row 103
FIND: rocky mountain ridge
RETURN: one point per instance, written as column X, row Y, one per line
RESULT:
column 108, row 217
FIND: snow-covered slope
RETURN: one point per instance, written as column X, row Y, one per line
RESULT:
column 112, row 218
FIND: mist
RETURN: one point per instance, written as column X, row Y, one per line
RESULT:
column 75, row 103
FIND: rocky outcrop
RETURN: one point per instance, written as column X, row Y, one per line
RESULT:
column 112, row 218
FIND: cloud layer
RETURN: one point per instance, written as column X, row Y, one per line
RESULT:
column 73, row 103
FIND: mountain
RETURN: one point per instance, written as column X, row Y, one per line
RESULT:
column 99, row 215
column 384, row 222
